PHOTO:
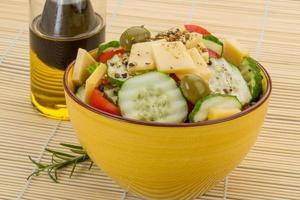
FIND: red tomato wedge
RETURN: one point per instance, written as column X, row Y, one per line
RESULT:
column 213, row 54
column 197, row 29
column 108, row 55
column 190, row 106
column 176, row 79
column 105, row 82
column 100, row 102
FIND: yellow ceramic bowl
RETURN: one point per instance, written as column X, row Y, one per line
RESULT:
column 165, row 161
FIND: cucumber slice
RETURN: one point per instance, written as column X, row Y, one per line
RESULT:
column 227, row 79
column 251, row 73
column 154, row 97
column 213, row 43
column 111, row 93
column 202, row 107
column 117, row 70
column 80, row 93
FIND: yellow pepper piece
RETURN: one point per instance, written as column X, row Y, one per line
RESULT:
column 233, row 53
column 220, row 113
column 94, row 81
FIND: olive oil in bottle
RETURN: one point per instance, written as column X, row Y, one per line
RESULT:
column 55, row 36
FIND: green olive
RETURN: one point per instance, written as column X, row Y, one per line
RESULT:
column 194, row 87
column 133, row 35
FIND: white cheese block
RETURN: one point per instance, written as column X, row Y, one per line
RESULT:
column 201, row 69
column 197, row 58
column 141, row 57
column 205, row 55
column 172, row 57
column 83, row 60
column 195, row 40
column 94, row 81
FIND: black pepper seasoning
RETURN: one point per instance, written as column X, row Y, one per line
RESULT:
column 124, row 75
column 117, row 75
column 101, row 88
column 131, row 65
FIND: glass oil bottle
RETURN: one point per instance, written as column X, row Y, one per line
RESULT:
column 57, row 29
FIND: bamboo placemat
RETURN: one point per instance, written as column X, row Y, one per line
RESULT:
column 269, row 29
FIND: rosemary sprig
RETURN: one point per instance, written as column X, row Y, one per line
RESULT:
column 61, row 160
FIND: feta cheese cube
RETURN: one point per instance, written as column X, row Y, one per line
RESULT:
column 201, row 69
column 83, row 60
column 172, row 57
column 141, row 57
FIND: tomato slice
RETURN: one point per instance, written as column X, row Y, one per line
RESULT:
column 108, row 55
column 213, row 54
column 197, row 29
column 176, row 79
column 190, row 106
column 100, row 102
column 105, row 81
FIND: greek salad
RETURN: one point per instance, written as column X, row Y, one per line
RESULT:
column 182, row 75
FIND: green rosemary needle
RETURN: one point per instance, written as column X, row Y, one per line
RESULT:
column 61, row 160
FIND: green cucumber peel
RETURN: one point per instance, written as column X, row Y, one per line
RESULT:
column 92, row 67
column 255, row 84
column 213, row 39
column 116, row 82
column 111, row 44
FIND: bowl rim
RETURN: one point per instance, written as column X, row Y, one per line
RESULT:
column 158, row 124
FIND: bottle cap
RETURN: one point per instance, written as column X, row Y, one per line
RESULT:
column 67, row 18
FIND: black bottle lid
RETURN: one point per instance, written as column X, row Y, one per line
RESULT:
column 67, row 18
